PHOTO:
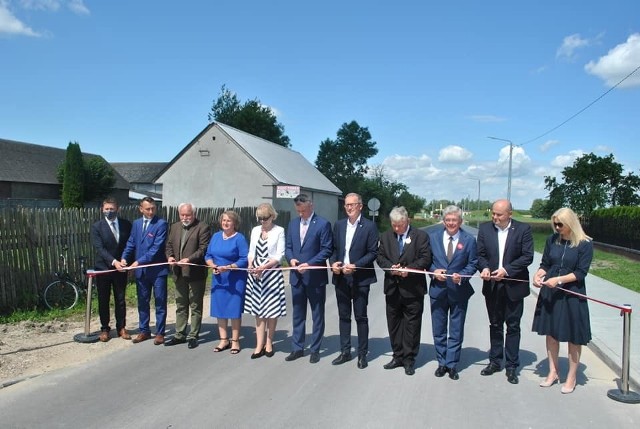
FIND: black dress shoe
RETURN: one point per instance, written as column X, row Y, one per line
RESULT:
column 490, row 369
column 393, row 364
column 314, row 358
column 453, row 374
column 257, row 355
column 269, row 354
column 344, row 357
column 512, row 377
column 192, row 343
column 441, row 371
column 362, row 362
column 174, row 341
column 409, row 370
column 294, row 355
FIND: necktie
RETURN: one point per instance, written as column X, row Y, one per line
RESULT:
column 450, row 249
column 303, row 230
column 144, row 225
column 114, row 229
column 400, row 244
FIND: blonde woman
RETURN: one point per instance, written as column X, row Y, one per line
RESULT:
column 561, row 316
column 265, row 298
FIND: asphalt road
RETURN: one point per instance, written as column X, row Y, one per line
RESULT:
column 147, row 386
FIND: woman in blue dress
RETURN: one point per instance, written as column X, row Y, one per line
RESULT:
column 226, row 253
column 559, row 315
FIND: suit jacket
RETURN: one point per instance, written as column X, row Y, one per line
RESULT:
column 316, row 249
column 148, row 248
column 194, row 248
column 104, row 242
column 362, row 252
column 518, row 255
column 415, row 254
column 464, row 262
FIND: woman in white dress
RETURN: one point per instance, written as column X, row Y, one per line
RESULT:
column 265, row 296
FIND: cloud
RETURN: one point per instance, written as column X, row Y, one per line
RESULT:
column 9, row 24
column 454, row 154
column 618, row 63
column 569, row 45
column 548, row 145
column 487, row 118
column 52, row 5
column 562, row 161
column 78, row 7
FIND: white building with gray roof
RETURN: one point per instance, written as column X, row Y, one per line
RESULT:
column 225, row 167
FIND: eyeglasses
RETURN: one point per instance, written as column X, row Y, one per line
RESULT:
column 349, row 205
column 558, row 224
column 263, row 219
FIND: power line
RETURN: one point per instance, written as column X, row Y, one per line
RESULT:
column 583, row 109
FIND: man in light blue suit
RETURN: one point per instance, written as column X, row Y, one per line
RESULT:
column 454, row 257
column 308, row 243
column 146, row 245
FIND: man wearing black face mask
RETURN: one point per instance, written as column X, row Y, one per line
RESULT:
column 109, row 236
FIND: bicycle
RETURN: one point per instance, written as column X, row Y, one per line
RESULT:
column 64, row 292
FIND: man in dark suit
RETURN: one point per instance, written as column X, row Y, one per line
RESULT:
column 355, row 247
column 454, row 260
column 146, row 246
column 109, row 236
column 505, row 251
column 404, row 247
column 308, row 243
column 187, row 244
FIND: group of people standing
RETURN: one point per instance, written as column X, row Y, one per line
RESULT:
column 247, row 278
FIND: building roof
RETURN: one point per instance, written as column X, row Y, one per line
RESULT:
column 32, row 163
column 139, row 172
column 285, row 166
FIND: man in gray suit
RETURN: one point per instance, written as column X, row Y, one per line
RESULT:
column 187, row 244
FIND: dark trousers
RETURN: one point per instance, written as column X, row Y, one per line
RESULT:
column 144, row 286
column 105, row 283
column 189, row 297
column 315, row 295
column 349, row 295
column 404, row 321
column 501, row 311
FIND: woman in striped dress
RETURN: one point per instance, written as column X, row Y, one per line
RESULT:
column 265, row 297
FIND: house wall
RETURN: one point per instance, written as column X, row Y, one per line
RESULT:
column 35, row 190
column 215, row 173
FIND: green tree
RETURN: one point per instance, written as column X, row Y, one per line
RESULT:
column 100, row 178
column 344, row 160
column 592, row 182
column 538, row 208
column 251, row 117
column 74, row 179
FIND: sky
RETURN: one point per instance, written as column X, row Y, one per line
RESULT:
column 134, row 81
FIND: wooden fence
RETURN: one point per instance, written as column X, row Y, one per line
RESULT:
column 32, row 240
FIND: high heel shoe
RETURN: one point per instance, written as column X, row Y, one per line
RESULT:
column 258, row 355
column 269, row 354
column 566, row 390
column 547, row 383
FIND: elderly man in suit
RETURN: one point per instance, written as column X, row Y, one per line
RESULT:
column 187, row 244
column 308, row 244
column 454, row 261
column 146, row 246
column 505, row 251
column 109, row 236
column 355, row 248
column 404, row 247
